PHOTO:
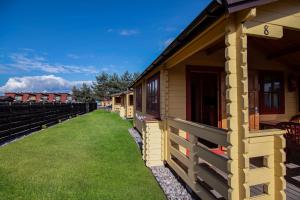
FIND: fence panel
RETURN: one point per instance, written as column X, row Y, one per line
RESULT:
column 18, row 119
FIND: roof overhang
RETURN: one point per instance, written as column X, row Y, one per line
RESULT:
column 214, row 11
column 238, row 5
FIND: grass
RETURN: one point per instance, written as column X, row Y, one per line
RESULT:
column 88, row 157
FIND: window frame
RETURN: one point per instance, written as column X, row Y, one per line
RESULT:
column 139, row 98
column 281, row 109
column 119, row 100
column 150, row 108
column 131, row 100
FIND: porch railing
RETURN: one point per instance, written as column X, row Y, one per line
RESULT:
column 203, row 170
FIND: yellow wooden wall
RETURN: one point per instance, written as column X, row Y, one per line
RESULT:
column 177, row 80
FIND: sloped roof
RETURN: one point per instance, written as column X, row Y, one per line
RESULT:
column 6, row 98
column 215, row 10
column 237, row 5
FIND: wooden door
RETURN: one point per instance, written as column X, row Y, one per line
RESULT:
column 204, row 98
column 253, row 100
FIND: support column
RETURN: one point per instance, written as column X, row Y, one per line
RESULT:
column 264, row 144
column 164, row 108
column 236, row 105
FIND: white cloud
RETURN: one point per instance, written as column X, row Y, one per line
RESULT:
column 128, row 32
column 27, row 62
column 168, row 42
column 73, row 56
column 26, row 49
column 124, row 32
column 47, row 83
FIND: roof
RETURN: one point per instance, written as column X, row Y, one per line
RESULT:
column 237, row 5
column 121, row 93
column 6, row 98
column 214, row 11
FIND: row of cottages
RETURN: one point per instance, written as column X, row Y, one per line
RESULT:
column 201, row 106
column 122, row 103
column 40, row 97
column 105, row 103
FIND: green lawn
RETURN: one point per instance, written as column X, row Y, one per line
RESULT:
column 88, row 157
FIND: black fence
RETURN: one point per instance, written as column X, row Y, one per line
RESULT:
column 18, row 119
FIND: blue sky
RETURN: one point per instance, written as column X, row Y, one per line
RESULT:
column 64, row 43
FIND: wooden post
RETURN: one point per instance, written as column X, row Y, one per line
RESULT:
column 237, row 104
column 246, row 145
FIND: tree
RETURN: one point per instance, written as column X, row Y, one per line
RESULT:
column 76, row 93
column 108, row 84
column 84, row 94
column 101, row 87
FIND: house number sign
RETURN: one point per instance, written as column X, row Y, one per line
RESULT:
column 263, row 30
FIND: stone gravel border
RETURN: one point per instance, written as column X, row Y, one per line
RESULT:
column 172, row 187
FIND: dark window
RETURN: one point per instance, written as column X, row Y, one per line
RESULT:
column 138, row 98
column 117, row 100
column 153, row 95
column 272, row 92
column 130, row 100
column 299, row 93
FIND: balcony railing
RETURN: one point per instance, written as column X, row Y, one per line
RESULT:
column 204, row 171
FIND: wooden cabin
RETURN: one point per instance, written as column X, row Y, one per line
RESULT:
column 105, row 103
column 123, row 104
column 208, row 104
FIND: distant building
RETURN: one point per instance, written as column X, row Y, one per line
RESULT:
column 40, row 97
column 6, row 99
column 105, row 103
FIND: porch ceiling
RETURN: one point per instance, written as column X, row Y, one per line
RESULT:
column 285, row 50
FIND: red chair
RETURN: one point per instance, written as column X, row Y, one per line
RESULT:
column 295, row 119
column 292, row 139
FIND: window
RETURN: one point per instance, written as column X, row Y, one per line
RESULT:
column 153, row 95
column 69, row 98
column 18, row 98
column 272, row 92
column 117, row 100
column 57, row 98
column 131, row 100
column 31, row 98
column 44, row 98
column 299, row 94
column 138, row 97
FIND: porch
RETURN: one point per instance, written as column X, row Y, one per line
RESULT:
column 199, row 103
column 205, row 113
column 122, row 103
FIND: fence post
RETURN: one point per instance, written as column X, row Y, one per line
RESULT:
column 87, row 107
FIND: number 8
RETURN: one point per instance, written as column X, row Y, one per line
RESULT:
column 266, row 30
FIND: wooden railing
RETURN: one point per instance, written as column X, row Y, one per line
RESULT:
column 204, row 171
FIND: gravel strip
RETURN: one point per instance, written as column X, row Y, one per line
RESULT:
column 171, row 186
column 137, row 137
column 173, row 189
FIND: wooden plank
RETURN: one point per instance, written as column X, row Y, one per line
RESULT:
column 261, row 197
column 214, row 180
column 259, row 176
column 197, row 188
column 217, row 161
column 180, row 140
column 212, row 134
column 182, row 158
